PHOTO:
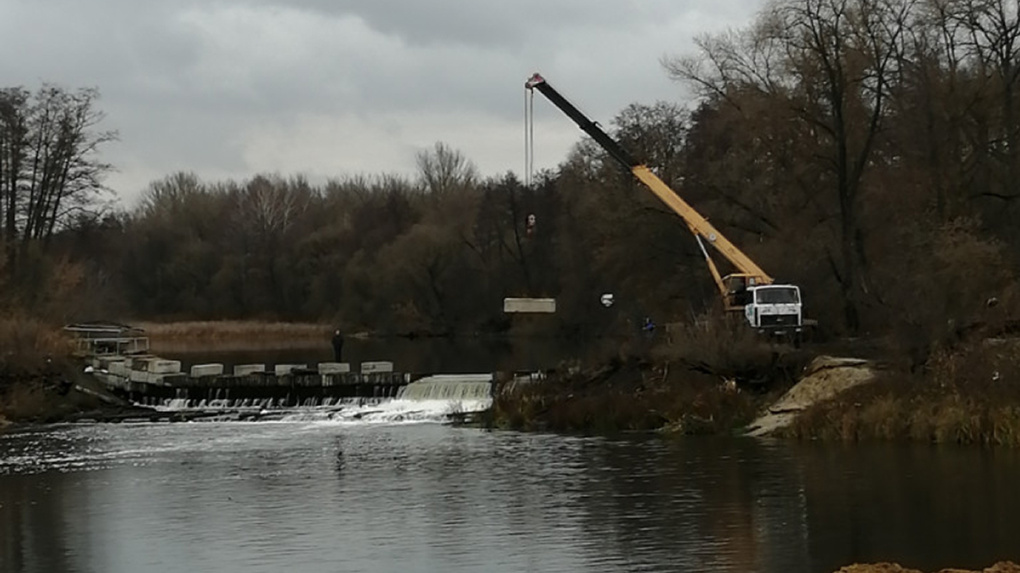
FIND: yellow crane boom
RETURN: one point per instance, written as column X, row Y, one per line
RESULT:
column 732, row 286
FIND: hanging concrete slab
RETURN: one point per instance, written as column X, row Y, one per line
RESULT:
column 529, row 305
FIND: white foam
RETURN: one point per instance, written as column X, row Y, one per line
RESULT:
column 395, row 411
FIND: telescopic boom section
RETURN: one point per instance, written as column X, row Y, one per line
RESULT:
column 698, row 224
column 537, row 82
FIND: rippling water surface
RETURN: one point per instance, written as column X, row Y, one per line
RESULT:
column 347, row 495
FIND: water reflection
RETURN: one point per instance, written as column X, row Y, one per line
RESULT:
column 320, row 497
column 33, row 536
column 929, row 507
column 711, row 505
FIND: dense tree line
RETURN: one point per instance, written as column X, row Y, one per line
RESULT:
column 433, row 254
column 866, row 150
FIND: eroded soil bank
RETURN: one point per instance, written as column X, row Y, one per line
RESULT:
column 967, row 395
column 633, row 394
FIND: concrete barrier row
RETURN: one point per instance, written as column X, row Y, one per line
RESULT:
column 138, row 381
column 203, row 370
column 127, row 367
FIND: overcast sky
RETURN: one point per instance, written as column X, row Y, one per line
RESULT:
column 231, row 88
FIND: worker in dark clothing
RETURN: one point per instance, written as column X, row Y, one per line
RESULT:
column 338, row 345
column 648, row 327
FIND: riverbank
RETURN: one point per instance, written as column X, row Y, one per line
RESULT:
column 969, row 394
column 698, row 380
column 60, row 393
column 637, row 394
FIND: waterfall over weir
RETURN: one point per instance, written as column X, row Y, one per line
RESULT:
column 449, row 387
column 432, row 398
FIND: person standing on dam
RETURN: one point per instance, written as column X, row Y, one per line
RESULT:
column 338, row 345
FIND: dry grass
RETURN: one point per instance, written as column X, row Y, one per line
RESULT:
column 626, row 395
column 28, row 345
column 233, row 330
column 725, row 347
column 31, row 355
column 25, row 401
column 967, row 396
column 710, row 377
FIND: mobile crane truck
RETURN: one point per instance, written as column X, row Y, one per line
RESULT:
column 767, row 307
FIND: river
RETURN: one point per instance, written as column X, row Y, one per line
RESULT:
column 393, row 490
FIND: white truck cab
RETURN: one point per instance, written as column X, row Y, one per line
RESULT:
column 774, row 309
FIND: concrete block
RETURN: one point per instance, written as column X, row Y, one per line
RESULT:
column 373, row 367
column 160, row 366
column 246, row 369
column 200, row 370
column 104, row 362
column 137, row 361
column 119, row 368
column 284, row 369
column 529, row 305
column 334, row 368
column 117, row 382
column 146, row 377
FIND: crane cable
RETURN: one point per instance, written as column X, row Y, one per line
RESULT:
column 529, row 135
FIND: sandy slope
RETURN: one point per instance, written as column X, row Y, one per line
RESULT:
column 824, row 378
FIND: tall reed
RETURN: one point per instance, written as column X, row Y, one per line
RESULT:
column 232, row 330
column 30, row 345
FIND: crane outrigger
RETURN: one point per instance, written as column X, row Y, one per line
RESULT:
column 767, row 306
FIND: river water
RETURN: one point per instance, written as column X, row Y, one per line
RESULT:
column 393, row 490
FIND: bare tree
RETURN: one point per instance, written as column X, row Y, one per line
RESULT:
column 49, row 172
column 270, row 206
column 65, row 176
column 988, row 35
column 166, row 197
column 444, row 169
column 834, row 62
column 13, row 151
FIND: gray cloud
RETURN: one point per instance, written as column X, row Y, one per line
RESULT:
column 235, row 87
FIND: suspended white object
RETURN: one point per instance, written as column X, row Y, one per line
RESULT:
column 529, row 305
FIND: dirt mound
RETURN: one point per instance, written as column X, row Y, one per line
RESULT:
column 823, row 378
column 1000, row 567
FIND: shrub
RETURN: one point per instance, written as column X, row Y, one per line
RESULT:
column 626, row 395
column 29, row 346
column 725, row 347
column 970, row 395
